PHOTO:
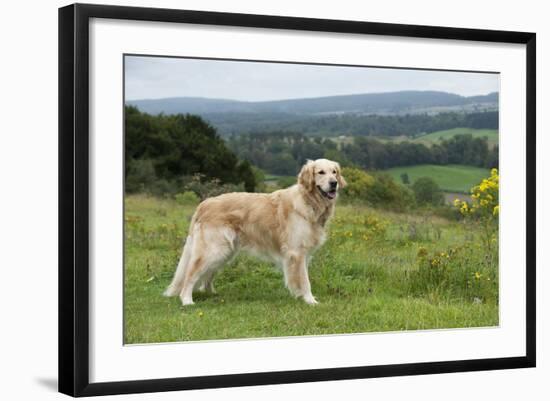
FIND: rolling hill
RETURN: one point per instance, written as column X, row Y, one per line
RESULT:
column 450, row 178
column 369, row 103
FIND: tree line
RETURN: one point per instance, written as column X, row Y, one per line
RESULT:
column 353, row 124
column 283, row 153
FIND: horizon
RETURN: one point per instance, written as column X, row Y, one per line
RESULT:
column 153, row 78
column 305, row 98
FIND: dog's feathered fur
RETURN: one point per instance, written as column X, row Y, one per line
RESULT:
column 285, row 226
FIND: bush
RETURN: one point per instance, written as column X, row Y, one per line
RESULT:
column 207, row 188
column 427, row 192
column 485, row 206
column 259, row 177
column 187, row 198
column 379, row 190
column 140, row 175
column 386, row 193
column 285, row 182
column 358, row 182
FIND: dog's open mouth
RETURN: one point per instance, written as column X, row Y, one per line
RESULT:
column 330, row 194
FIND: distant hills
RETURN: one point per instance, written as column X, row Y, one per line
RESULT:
column 391, row 113
column 371, row 103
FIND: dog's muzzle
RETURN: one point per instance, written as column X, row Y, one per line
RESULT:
column 330, row 194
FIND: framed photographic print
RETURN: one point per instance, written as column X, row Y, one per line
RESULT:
column 251, row 199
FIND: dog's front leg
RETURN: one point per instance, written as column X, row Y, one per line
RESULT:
column 296, row 277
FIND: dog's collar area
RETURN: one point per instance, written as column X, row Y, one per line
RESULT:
column 329, row 195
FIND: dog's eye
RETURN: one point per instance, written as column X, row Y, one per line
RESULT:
column 321, row 172
column 333, row 171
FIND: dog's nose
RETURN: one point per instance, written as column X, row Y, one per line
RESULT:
column 333, row 184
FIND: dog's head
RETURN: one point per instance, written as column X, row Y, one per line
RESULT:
column 323, row 177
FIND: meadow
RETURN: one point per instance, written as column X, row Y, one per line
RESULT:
column 434, row 137
column 438, row 136
column 450, row 178
column 378, row 271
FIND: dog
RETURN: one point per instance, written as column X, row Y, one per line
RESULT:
column 285, row 226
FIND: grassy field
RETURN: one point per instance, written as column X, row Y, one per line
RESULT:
column 435, row 137
column 378, row 271
column 450, row 178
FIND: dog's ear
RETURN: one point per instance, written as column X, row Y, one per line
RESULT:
column 341, row 180
column 306, row 178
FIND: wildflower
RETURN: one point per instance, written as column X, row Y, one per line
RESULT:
column 456, row 202
column 200, row 314
column 477, row 275
column 496, row 210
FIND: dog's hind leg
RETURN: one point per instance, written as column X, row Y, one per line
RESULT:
column 207, row 282
column 213, row 249
column 177, row 282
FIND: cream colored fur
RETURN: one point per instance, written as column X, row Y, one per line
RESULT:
column 286, row 226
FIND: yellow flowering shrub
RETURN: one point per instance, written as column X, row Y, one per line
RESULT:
column 358, row 182
column 484, row 206
column 484, row 199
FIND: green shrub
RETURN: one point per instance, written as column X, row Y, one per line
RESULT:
column 140, row 175
column 358, row 181
column 187, row 198
column 427, row 192
column 386, row 193
column 285, row 182
column 207, row 188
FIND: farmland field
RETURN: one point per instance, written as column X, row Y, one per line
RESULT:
column 378, row 271
column 450, row 178
column 434, row 137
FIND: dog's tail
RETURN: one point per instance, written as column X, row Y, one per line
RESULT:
column 176, row 285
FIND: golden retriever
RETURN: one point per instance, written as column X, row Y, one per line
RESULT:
column 286, row 226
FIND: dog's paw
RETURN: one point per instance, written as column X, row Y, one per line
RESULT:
column 310, row 299
column 185, row 302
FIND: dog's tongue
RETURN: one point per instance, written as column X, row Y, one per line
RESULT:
column 331, row 194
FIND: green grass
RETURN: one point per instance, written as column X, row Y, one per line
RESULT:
column 435, row 137
column 451, row 178
column 373, row 274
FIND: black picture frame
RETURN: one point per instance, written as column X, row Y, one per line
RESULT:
column 74, row 198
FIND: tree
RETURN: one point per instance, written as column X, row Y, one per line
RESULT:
column 175, row 146
column 405, row 179
column 426, row 191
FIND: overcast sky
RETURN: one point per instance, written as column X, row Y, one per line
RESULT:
column 156, row 77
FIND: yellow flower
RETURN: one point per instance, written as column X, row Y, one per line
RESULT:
column 496, row 210
column 457, row 202
column 477, row 275
column 494, row 172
